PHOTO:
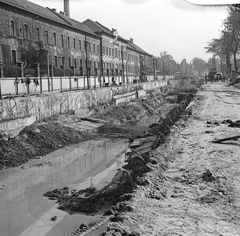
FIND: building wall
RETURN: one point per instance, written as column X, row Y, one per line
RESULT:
column 14, row 40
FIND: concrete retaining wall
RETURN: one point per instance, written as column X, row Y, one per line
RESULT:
column 14, row 109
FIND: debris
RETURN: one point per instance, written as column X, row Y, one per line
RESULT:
column 53, row 218
column 208, row 176
column 226, row 139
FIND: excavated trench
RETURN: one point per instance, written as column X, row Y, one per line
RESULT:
column 138, row 161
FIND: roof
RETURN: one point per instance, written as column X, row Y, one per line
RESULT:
column 134, row 47
column 47, row 13
column 98, row 28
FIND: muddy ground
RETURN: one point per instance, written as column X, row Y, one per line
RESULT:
column 193, row 188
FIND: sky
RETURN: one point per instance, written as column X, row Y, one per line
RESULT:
column 180, row 28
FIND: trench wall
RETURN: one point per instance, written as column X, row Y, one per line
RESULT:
column 15, row 111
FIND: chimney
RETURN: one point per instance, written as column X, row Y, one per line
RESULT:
column 131, row 40
column 66, row 7
column 62, row 13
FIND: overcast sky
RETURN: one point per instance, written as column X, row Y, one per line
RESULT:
column 176, row 26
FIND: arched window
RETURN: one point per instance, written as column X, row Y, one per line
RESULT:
column 54, row 39
column 25, row 31
column 12, row 28
column 38, row 34
column 46, row 36
column 62, row 40
column 14, row 57
column 74, row 43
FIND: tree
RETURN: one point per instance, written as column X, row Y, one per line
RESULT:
column 199, row 65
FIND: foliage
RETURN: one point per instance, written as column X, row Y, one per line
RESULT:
column 226, row 47
column 199, row 65
column 6, row 52
column 11, row 71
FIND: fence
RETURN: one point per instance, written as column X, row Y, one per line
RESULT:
column 34, row 85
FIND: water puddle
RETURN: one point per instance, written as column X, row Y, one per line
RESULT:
column 23, row 209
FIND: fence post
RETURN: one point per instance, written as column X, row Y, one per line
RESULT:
column 61, row 83
column 1, row 76
column 70, row 83
column 51, row 70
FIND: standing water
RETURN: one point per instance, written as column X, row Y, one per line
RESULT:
column 24, row 211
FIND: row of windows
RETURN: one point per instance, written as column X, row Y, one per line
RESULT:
column 74, row 63
column 80, row 44
column 117, row 53
column 76, row 45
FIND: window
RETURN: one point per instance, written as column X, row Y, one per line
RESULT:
column 14, row 58
column 81, row 67
column 69, row 62
column 75, row 63
column 94, row 48
column 115, row 52
column 103, row 50
column 63, row 61
column 62, row 40
column 12, row 28
column 38, row 34
column 74, row 43
column 107, row 51
column 56, row 61
column 80, row 44
column 89, row 47
column 54, row 39
column 25, row 32
column 98, row 49
column 118, row 53
column 46, row 36
column 68, row 41
column 112, row 52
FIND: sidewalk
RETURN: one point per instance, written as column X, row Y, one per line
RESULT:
column 199, row 192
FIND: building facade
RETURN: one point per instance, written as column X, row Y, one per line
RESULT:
column 50, row 43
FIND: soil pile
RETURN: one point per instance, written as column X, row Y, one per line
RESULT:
column 38, row 140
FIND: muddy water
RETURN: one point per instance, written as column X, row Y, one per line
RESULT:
column 23, row 209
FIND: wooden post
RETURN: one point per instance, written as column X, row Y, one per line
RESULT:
column 51, row 70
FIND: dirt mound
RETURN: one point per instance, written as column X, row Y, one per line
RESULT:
column 37, row 140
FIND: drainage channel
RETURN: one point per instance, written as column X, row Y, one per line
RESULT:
column 24, row 211
column 137, row 162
